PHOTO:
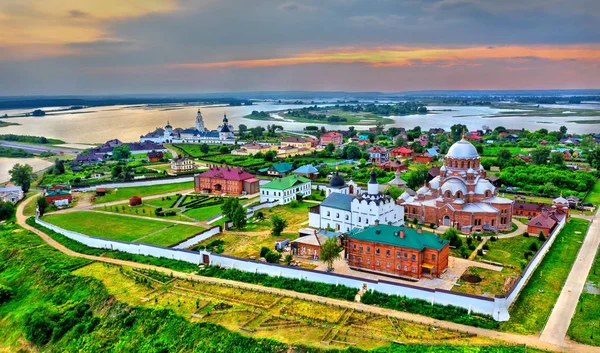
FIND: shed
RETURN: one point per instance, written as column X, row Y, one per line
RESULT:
column 135, row 201
column 281, row 243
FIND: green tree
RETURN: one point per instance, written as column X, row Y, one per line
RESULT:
column 557, row 158
column 395, row 192
column 417, row 177
column 330, row 147
column 593, row 159
column 270, row 156
column 22, row 175
column 563, row 130
column 224, row 149
column 457, row 130
column 229, row 206
column 7, row 210
column 278, row 224
column 330, row 251
column 242, row 128
column 353, row 152
column 504, row 156
column 239, row 217
column 121, row 152
column 288, row 259
column 59, row 167
column 204, row 148
column 42, row 204
column 540, row 155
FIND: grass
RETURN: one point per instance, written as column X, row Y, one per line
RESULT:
column 30, row 208
column 165, row 202
column 141, row 191
column 534, row 305
column 492, row 151
column 492, row 282
column 142, row 210
column 122, row 228
column 204, row 213
column 509, row 251
column 594, row 195
column 194, row 149
column 244, row 245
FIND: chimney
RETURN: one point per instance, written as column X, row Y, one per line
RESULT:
column 419, row 230
column 402, row 234
column 376, row 222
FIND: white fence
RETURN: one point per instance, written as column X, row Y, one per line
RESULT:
column 497, row 307
column 197, row 238
column 136, row 183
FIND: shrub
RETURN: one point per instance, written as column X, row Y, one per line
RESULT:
column 272, row 257
column 485, row 247
column 527, row 254
column 5, row 293
column 480, row 252
column 469, row 241
column 288, row 259
column 38, row 326
column 432, row 225
column 533, row 247
column 294, row 204
column 472, row 247
column 526, row 234
column 478, row 237
column 541, row 236
column 263, row 251
column 493, row 238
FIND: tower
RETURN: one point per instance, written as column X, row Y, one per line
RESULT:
column 168, row 131
column 200, row 122
column 373, row 186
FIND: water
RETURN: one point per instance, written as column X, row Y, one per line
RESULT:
column 7, row 163
column 128, row 123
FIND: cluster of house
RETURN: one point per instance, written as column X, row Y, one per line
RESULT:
column 100, row 153
column 289, row 146
column 58, row 194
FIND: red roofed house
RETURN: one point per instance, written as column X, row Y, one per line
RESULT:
column 472, row 137
column 402, row 152
column 423, row 158
column 391, row 165
column 135, row 201
column 226, row 180
column 548, row 219
column 524, row 158
column 332, row 137
column 59, row 194
column 155, row 156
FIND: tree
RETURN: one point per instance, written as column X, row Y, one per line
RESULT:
column 239, row 217
column 224, row 150
column 7, row 210
column 22, row 175
column 395, row 192
column 42, row 204
column 59, row 167
column 563, row 130
column 593, row 159
column 229, row 206
column 273, row 257
column 540, row 155
column 38, row 326
column 330, row 147
column 204, row 148
column 504, row 156
column 417, row 177
column 288, row 259
column 557, row 158
column 330, row 251
column 121, row 152
column 456, row 131
column 242, row 128
column 270, row 156
column 278, row 225
column 353, row 152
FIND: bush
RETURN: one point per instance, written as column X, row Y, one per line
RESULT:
column 485, row 247
column 294, row 204
column 493, row 238
column 478, row 237
column 469, row 241
column 273, row 257
column 472, row 247
column 263, row 251
column 38, row 326
column 432, row 225
column 541, row 236
column 480, row 252
column 533, row 247
column 526, row 234
column 527, row 254
column 5, row 293
column 288, row 259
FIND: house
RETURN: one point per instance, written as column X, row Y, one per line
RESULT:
column 332, row 137
column 285, row 190
column 402, row 152
column 97, row 175
column 226, row 180
column 397, row 251
column 91, row 158
column 59, row 194
column 378, row 154
column 135, row 201
column 393, row 165
column 308, row 246
column 182, row 164
column 297, row 142
column 471, row 137
column 423, row 158
column 251, row 148
column 529, row 209
column 401, row 135
column 100, row 191
column 278, row 169
column 432, row 173
column 495, row 180
column 155, row 156
column 436, row 130
column 524, row 158
column 308, row 171
column 573, row 201
column 433, row 151
column 11, row 194
column 547, row 220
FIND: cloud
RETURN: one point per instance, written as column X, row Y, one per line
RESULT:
column 78, row 14
column 295, row 7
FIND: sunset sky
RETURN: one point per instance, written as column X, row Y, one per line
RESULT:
column 182, row 46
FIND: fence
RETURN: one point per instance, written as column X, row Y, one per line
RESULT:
column 497, row 307
column 156, row 181
column 197, row 238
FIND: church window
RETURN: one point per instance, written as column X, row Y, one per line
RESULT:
column 347, row 217
column 462, row 164
column 328, row 213
column 398, row 267
column 369, row 261
column 448, row 194
column 458, row 195
column 354, row 246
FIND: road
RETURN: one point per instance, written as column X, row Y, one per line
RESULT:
column 556, row 328
column 531, row 341
column 39, row 148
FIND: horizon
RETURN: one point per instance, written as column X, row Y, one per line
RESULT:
column 177, row 47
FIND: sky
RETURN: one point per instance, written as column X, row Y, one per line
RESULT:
column 57, row 47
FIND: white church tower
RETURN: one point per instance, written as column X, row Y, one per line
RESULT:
column 200, row 122
column 373, row 186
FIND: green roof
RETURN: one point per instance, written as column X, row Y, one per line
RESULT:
column 282, row 167
column 385, row 234
column 285, row 183
column 58, row 192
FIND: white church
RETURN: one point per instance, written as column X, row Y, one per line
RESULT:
column 343, row 210
column 198, row 134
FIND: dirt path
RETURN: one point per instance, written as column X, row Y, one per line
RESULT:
column 508, row 337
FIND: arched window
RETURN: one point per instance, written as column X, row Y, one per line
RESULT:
column 462, row 164
column 337, row 215
column 328, row 213
column 459, row 195
column 488, row 193
column 448, row 194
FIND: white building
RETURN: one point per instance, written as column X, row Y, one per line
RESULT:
column 284, row 190
column 11, row 194
column 197, row 134
column 182, row 164
column 344, row 211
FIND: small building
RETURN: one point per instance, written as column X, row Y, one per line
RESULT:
column 278, row 169
column 308, row 171
column 251, row 149
column 135, row 201
column 308, row 246
column 523, row 157
column 547, row 220
column 297, row 142
column 11, row 194
column 397, row 251
column 402, row 152
column 182, row 164
column 423, row 158
column 226, row 180
column 529, row 209
column 285, row 190
column 155, row 156
column 100, row 191
column 393, row 165
column 59, row 194
column 280, row 244
column 332, row 137
column 378, row 154
column 87, row 159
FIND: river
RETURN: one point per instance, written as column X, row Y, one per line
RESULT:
column 7, row 163
column 127, row 123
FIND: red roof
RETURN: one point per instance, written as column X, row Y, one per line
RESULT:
column 402, row 150
column 228, row 173
column 542, row 221
column 376, row 149
column 331, row 134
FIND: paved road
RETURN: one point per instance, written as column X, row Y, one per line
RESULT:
column 39, row 148
column 532, row 341
column 560, row 318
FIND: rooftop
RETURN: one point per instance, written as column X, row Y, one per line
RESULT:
column 339, row 201
column 286, row 183
column 384, row 234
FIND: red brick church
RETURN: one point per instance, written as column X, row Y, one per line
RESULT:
column 460, row 196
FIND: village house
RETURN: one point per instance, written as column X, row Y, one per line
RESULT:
column 309, row 246
column 397, row 251
column 87, row 159
column 378, row 154
column 58, row 194
column 285, row 190
column 298, row 142
column 182, row 164
column 226, row 180
column 155, row 156
column 332, row 137
column 547, row 220
column 11, row 194
column 423, row 158
column 402, row 152
column 251, row 148
column 524, row 158
column 529, row 209
column 393, row 165
column 308, row 171
column 278, row 169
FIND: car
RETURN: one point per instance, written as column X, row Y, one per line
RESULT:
column 587, row 204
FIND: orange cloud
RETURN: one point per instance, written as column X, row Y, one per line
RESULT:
column 404, row 56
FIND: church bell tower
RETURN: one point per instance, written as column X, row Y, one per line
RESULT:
column 200, row 122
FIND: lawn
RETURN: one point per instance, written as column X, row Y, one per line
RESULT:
column 587, row 314
column 126, row 193
column 244, row 245
column 142, row 210
column 492, row 282
column 164, row 202
column 203, row 213
column 194, row 149
column 493, row 150
column 534, row 305
column 121, row 228
column 594, row 195
column 510, row 251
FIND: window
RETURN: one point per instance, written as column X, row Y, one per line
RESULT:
column 360, row 259
column 346, row 217
column 398, row 267
column 398, row 254
column 367, row 221
column 377, row 263
column 433, row 257
column 414, row 269
column 405, row 268
column 387, row 264
column 360, row 248
column 368, row 261
column 354, row 246
column 337, row 215
column 387, row 253
column 414, row 257
column 353, row 258
column 368, row 249
column 359, row 219
column 405, row 255
column 328, row 213
column 377, row 251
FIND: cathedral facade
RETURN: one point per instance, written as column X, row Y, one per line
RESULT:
column 197, row 134
column 460, row 197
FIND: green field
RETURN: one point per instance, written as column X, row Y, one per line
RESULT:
column 594, row 194
column 123, row 228
column 510, row 251
column 126, row 193
column 142, row 210
column 492, row 151
column 534, row 305
column 203, row 213
column 194, row 149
